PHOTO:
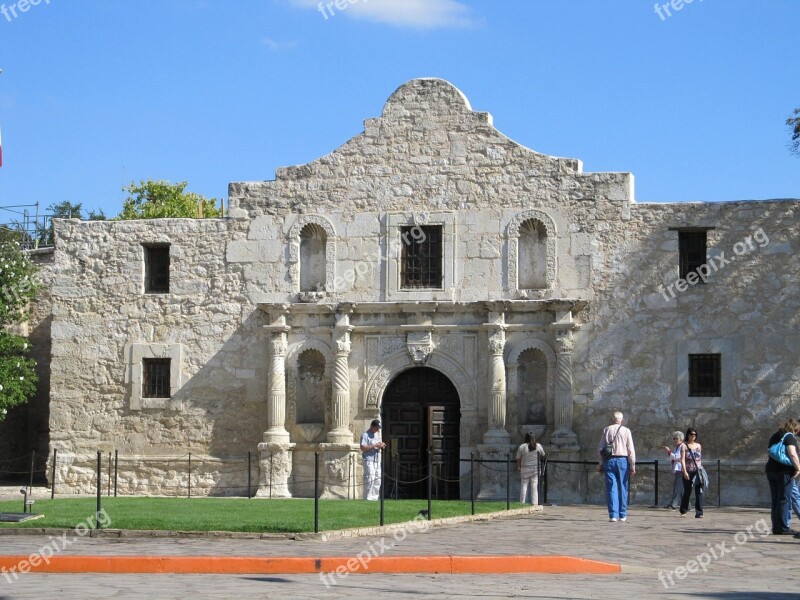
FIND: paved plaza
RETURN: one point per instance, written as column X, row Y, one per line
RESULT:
column 723, row 556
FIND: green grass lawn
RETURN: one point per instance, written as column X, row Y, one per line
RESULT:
column 236, row 514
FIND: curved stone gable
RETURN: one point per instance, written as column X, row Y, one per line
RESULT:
column 427, row 149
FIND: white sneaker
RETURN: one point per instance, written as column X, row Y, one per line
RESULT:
column 612, row 520
column 623, row 519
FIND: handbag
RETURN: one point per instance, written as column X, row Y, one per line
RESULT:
column 607, row 451
column 777, row 452
column 700, row 472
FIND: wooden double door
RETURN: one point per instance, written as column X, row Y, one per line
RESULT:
column 421, row 414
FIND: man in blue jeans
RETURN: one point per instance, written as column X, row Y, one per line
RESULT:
column 618, row 467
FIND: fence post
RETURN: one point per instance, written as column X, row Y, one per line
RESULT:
column 430, row 482
column 472, row 481
column 33, row 460
column 109, row 475
column 190, row 474
column 719, row 483
column 383, row 481
column 544, row 483
column 249, row 474
column 99, row 488
column 316, row 491
column 508, row 481
column 53, row 475
column 655, row 501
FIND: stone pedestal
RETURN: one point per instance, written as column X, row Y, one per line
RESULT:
column 275, row 461
column 568, row 483
column 339, row 469
column 493, row 476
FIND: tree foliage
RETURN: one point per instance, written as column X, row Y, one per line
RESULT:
column 162, row 199
column 794, row 125
column 18, row 286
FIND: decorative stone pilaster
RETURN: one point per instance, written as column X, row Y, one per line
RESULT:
column 276, row 395
column 563, row 435
column 340, row 427
column 275, row 461
column 275, row 455
column 497, row 433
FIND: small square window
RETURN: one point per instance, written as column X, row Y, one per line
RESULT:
column 156, row 269
column 155, row 378
column 692, row 247
column 705, row 375
column 421, row 260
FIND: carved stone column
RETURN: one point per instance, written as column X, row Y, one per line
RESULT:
column 275, row 453
column 276, row 396
column 340, row 427
column 563, row 435
column 497, row 433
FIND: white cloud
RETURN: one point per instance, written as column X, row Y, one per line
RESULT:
column 276, row 45
column 419, row 14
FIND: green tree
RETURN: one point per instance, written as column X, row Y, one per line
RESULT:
column 794, row 125
column 162, row 199
column 18, row 286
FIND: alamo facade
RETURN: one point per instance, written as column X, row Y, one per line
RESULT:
column 440, row 276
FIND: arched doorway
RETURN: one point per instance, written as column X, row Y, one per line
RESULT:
column 421, row 412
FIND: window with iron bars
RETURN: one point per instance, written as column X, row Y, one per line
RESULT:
column 155, row 380
column 692, row 248
column 705, row 375
column 156, row 269
column 421, row 258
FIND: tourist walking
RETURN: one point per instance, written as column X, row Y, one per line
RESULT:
column 691, row 461
column 780, row 477
column 528, row 456
column 618, row 462
column 677, row 470
column 371, row 446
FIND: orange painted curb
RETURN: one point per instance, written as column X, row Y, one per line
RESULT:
column 12, row 565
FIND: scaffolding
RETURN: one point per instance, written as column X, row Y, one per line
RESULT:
column 35, row 230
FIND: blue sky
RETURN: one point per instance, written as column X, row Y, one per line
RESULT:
column 98, row 93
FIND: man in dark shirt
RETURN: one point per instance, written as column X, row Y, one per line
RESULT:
column 780, row 477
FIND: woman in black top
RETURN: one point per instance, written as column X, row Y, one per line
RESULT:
column 780, row 477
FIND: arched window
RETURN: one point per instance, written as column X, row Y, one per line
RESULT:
column 532, row 261
column 311, row 387
column 313, row 242
column 531, row 251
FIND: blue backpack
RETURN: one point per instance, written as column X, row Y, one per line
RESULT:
column 778, row 451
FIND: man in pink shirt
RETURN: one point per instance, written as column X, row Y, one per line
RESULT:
column 618, row 467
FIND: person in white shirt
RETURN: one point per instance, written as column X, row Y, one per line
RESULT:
column 528, row 464
column 677, row 470
column 371, row 446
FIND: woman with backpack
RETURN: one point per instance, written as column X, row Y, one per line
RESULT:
column 781, row 475
column 691, row 461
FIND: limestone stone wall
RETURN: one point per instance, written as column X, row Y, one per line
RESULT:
column 429, row 159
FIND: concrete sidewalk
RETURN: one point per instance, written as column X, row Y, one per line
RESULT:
column 729, row 554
